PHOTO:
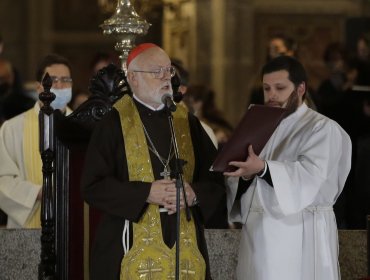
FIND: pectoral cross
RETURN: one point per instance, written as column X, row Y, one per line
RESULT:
column 166, row 173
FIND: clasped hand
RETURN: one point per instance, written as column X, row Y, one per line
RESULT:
column 163, row 192
column 248, row 168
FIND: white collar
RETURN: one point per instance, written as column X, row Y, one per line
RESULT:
column 147, row 105
column 299, row 112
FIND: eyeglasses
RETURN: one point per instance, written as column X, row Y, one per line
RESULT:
column 62, row 80
column 161, row 72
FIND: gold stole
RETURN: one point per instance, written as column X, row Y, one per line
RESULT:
column 32, row 161
column 149, row 257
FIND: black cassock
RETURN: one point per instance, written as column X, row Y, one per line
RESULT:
column 105, row 186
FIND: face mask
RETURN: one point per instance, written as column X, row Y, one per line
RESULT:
column 62, row 97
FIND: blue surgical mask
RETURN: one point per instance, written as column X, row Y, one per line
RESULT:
column 62, row 97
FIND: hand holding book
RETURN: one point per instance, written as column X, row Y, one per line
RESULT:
column 248, row 168
column 255, row 128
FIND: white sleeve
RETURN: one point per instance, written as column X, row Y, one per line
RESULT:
column 17, row 196
column 238, row 209
column 322, row 166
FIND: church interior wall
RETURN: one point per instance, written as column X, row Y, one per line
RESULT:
column 222, row 43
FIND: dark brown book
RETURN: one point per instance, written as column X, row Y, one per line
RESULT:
column 256, row 128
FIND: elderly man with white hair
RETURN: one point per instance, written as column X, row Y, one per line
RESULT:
column 127, row 176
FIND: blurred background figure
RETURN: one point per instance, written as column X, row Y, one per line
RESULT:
column 181, row 74
column 279, row 44
column 362, row 59
column 341, row 77
column 6, row 81
column 357, row 119
column 201, row 101
column 363, row 49
column 1, row 44
column 100, row 60
column 13, row 99
column 331, row 101
column 338, row 99
column 360, row 206
column 183, row 92
column 179, row 84
column 78, row 98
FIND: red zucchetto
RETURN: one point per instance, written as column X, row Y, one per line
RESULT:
column 138, row 50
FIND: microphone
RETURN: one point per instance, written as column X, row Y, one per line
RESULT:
column 168, row 102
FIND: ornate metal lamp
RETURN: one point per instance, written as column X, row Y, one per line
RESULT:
column 125, row 25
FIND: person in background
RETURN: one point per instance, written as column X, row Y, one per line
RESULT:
column 342, row 76
column 127, row 177
column 284, row 196
column 100, row 60
column 362, row 58
column 360, row 208
column 13, row 98
column 278, row 45
column 357, row 116
column 79, row 98
column 180, row 83
column 201, row 100
column 182, row 74
column 6, row 82
column 337, row 101
column 21, row 168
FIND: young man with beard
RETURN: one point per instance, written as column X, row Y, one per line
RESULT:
column 125, row 177
column 284, row 196
column 21, row 167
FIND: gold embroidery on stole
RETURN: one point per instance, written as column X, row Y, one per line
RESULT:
column 149, row 257
column 32, row 161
